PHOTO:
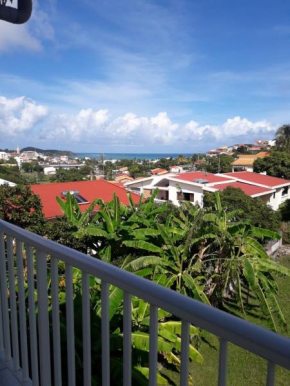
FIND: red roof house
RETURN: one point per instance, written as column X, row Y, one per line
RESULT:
column 249, row 190
column 200, row 177
column 258, row 179
column 84, row 191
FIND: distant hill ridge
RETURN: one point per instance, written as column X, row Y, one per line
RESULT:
column 48, row 152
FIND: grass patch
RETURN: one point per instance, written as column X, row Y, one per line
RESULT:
column 244, row 368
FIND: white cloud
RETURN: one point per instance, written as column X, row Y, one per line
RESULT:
column 91, row 127
column 19, row 115
column 98, row 127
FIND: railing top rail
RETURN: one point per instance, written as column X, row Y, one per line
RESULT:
column 249, row 336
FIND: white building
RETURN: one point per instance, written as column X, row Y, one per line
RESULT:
column 176, row 169
column 19, row 161
column 192, row 186
column 4, row 156
column 64, row 158
column 49, row 170
column 5, row 182
column 30, row 155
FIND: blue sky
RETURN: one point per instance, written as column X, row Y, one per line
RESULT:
column 145, row 76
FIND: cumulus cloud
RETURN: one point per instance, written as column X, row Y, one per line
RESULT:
column 89, row 126
column 22, row 115
column 19, row 115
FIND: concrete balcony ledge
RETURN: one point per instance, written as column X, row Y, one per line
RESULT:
column 8, row 377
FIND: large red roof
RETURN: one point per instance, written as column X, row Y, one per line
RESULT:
column 260, row 179
column 249, row 190
column 90, row 190
column 193, row 176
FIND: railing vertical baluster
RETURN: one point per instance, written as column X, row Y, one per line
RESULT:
column 32, row 318
column 22, row 312
column 43, row 319
column 223, row 361
column 153, row 344
column 4, row 299
column 70, row 325
column 127, row 344
column 1, row 327
column 13, row 306
column 55, row 323
column 86, row 314
column 105, row 334
column 270, row 374
column 184, row 353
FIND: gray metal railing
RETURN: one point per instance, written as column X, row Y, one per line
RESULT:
column 14, row 346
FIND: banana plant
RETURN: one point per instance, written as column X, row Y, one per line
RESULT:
column 237, row 263
column 116, row 228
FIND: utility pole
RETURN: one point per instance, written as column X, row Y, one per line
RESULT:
column 219, row 163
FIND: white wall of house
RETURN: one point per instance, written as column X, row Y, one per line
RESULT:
column 169, row 191
column 277, row 198
column 49, row 170
column 4, row 156
column 180, row 186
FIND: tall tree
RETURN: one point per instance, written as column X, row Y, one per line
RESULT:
column 254, row 209
column 283, row 138
column 276, row 165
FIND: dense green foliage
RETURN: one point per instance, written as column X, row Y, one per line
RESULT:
column 208, row 254
column 21, row 207
column 276, row 165
column 29, row 167
column 285, row 211
column 62, row 232
column 220, row 164
column 12, row 174
column 253, row 209
column 70, row 175
column 283, row 138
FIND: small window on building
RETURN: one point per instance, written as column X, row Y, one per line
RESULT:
column 285, row 191
column 185, row 196
column 179, row 196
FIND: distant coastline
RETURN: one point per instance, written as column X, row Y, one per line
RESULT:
column 120, row 156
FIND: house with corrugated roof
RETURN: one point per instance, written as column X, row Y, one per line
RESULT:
column 245, row 162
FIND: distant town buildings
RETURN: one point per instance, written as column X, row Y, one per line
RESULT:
column 256, row 147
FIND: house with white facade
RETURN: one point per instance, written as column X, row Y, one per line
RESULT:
column 4, row 156
column 193, row 185
column 276, row 190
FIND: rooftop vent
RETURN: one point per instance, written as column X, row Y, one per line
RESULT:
column 201, row 181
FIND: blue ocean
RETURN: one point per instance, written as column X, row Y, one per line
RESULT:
column 137, row 156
